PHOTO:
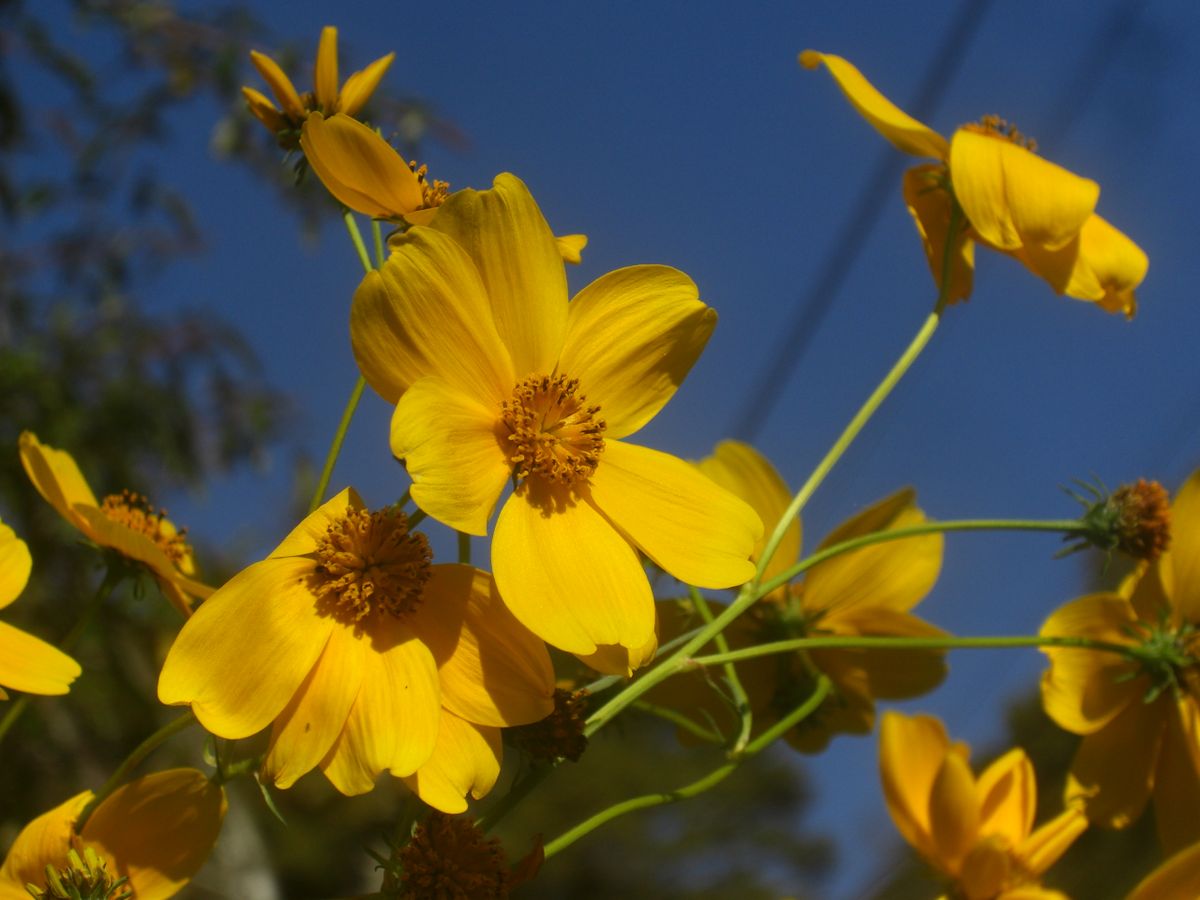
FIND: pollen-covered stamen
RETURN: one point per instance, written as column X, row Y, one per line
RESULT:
column 552, row 432
column 82, row 878
column 135, row 513
column 1143, row 519
column 432, row 193
column 369, row 562
column 998, row 128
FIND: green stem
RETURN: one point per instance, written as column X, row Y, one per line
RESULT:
column 741, row 702
column 335, row 446
column 357, row 239
column 677, row 718
column 377, row 234
column 464, row 548
column 144, row 749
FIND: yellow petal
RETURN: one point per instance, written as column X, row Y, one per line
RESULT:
column 985, row 870
column 632, row 337
column 159, row 829
column 570, row 247
column 491, row 669
column 953, row 810
column 1185, row 550
column 690, row 526
column 1177, row 780
column 264, row 110
column 450, row 447
column 426, row 313
column 1013, row 197
column 305, row 537
column 905, row 132
column 613, row 659
column 15, row 565
column 930, row 205
column 1007, row 792
column 325, row 79
column 911, row 750
column 310, row 723
column 56, row 477
column 44, row 841
column 281, row 86
column 1176, row 879
column 129, row 543
column 892, row 674
column 361, row 85
column 518, row 259
column 359, row 167
column 246, row 651
column 567, row 575
column 466, row 760
column 31, row 665
column 1043, row 848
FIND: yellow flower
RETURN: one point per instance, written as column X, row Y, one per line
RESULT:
column 26, row 663
column 350, row 643
column 156, row 831
column 866, row 592
column 122, row 522
column 1140, row 722
column 286, row 119
column 496, row 378
column 977, row 831
column 1176, row 879
column 1013, row 200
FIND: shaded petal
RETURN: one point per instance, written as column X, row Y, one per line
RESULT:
column 306, row 729
column 466, row 760
column 15, row 565
column 1043, row 848
column 518, row 258
column 491, row 668
column 246, row 651
column 426, row 313
column 44, row 841
column 451, row 448
column 632, row 337
column 1177, row 780
column 264, row 110
column 361, row 85
column 1008, row 797
column 985, row 869
column 567, row 574
column 305, row 537
column 325, row 79
column 359, row 167
column 159, row 829
column 1013, row 197
column 905, row 132
column 911, row 750
column 1185, row 550
column 281, row 86
column 129, row 543
column 613, row 659
column 930, row 205
column 31, row 665
column 56, row 477
column 892, row 674
column 690, row 526
column 953, row 810
column 570, row 247
column 1177, row 878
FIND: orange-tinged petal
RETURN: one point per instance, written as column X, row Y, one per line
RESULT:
column 281, row 86
column 159, row 829
column 571, row 246
column 129, row 543
column 361, row 85
column 613, row 659
column 632, row 337
column 325, row 78
column 892, row 674
column 311, row 722
column 930, row 205
column 426, row 312
column 1177, row 780
column 246, row 651
column 905, row 132
column 689, row 525
column 1013, row 197
column 491, row 668
column 1176, row 879
column 44, row 841
column 15, row 565
column 953, row 810
column 1008, row 797
column 1050, row 841
column 31, row 665
column 566, row 573
column 911, row 750
column 985, row 869
column 465, row 761
column 359, row 167
column 450, row 447
column 305, row 537
column 1185, row 550
column 264, row 110
column 56, row 477
column 518, row 259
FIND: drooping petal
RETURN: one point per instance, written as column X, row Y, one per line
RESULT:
column 325, row 78
column 159, row 829
column 491, row 668
column 426, row 312
column 129, row 543
column 517, row 256
column 31, row 665
column 953, row 809
column 911, row 750
column 1008, row 797
column 1013, row 197
column 930, row 205
column 689, row 525
column 361, row 85
column 1177, row 878
column 905, row 132
column 1185, row 550
column 452, row 452
column 566, row 573
column 15, row 565
column 1177, row 780
column 570, row 247
column 246, row 651
column 359, row 167
column 304, row 538
column 44, row 841
column 263, row 109
column 311, row 722
column 1050, row 841
column 56, row 477
column 466, row 760
column 281, row 86
column 632, row 337
column 613, row 659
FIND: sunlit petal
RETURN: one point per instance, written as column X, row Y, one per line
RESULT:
column 953, row 808
column 466, row 760
column 42, row 842
column 361, row 85
column 325, row 79
column 56, row 477
column 571, row 246
column 930, row 205
column 359, row 167
column 1184, row 557
column 911, row 750
column 263, row 109
column 281, row 86
column 1008, row 797
column 15, row 565
column 305, row 537
column 1043, row 848
column 31, row 665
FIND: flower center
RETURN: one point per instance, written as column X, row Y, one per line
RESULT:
column 1006, row 131
column 449, row 857
column 83, row 878
column 432, row 193
column 370, row 562
column 135, row 513
column 552, row 432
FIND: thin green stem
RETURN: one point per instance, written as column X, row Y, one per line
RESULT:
column 377, row 234
column 464, row 548
column 741, row 702
column 357, row 239
column 132, row 761
column 335, row 446
column 677, row 718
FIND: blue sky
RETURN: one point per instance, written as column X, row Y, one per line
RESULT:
column 686, row 134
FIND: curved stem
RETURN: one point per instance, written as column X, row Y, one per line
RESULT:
column 335, row 446
column 680, row 720
column 377, row 236
column 741, row 702
column 357, row 239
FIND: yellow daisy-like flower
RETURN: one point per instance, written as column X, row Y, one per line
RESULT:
column 976, row 830
column 122, row 522
column 26, row 663
column 1176, row 879
column 496, row 378
column 156, row 832
column 286, row 119
column 866, row 592
column 349, row 643
column 1140, row 721
column 1013, row 200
